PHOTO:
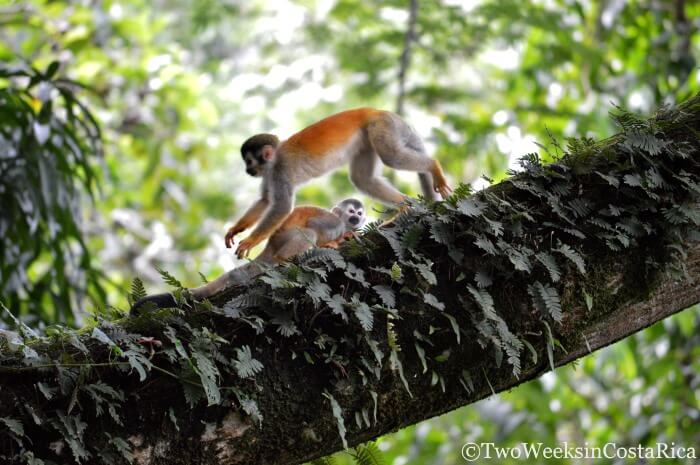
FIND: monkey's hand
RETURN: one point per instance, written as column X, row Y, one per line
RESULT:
column 331, row 244
column 233, row 230
column 245, row 246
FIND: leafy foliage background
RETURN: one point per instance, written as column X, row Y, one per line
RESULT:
column 176, row 85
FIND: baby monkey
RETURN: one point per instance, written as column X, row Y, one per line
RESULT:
column 304, row 228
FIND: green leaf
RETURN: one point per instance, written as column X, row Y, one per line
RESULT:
column 551, row 264
column 318, row 291
column 454, row 324
column 122, row 447
column 250, row 407
column 387, row 295
column 363, row 313
column 550, row 346
column 246, row 366
column 173, row 418
column 47, row 391
column 338, row 414
column 433, row 301
column 208, row 375
column 572, row 255
column 471, row 207
column 369, row 454
column 396, row 365
column 138, row 362
column 589, row 300
column 421, row 356
column 485, row 302
column 14, row 425
column 98, row 334
column 483, row 279
column 467, row 382
column 546, row 299
column 396, row 272
column 138, row 291
column 356, row 274
column 425, row 270
column 485, row 244
column 337, row 305
column 169, row 279
column 533, row 352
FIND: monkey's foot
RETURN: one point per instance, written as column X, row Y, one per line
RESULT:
column 439, row 181
column 444, row 190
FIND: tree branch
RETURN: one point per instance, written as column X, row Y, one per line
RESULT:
column 405, row 324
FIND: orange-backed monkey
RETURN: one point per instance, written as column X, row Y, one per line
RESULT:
column 365, row 138
column 304, row 228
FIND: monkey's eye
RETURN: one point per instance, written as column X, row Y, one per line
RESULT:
column 351, row 211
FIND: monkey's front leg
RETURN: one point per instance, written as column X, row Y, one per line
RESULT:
column 246, row 221
column 273, row 218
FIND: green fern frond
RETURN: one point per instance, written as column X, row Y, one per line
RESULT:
column 369, row 454
column 169, row 279
column 137, row 290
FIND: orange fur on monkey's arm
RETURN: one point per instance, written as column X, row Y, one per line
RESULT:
column 247, row 220
column 281, row 206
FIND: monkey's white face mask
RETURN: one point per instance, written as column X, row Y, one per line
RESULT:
column 352, row 213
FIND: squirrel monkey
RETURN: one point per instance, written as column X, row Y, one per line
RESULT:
column 304, row 228
column 364, row 138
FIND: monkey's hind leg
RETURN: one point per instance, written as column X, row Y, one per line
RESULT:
column 399, row 147
column 366, row 175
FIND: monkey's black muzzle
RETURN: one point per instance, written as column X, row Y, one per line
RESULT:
column 354, row 220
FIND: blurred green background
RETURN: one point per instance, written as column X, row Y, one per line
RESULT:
column 175, row 86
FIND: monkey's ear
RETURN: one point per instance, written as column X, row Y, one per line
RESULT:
column 337, row 211
column 268, row 152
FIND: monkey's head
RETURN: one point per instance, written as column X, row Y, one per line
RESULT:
column 352, row 212
column 258, row 151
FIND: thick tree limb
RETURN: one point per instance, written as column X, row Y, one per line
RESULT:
column 324, row 360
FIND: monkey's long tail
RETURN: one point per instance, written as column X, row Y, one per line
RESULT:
column 153, row 302
column 237, row 276
column 426, row 184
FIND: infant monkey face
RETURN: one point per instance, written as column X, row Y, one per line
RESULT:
column 352, row 212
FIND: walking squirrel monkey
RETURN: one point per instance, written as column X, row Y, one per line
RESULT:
column 304, row 228
column 364, row 138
